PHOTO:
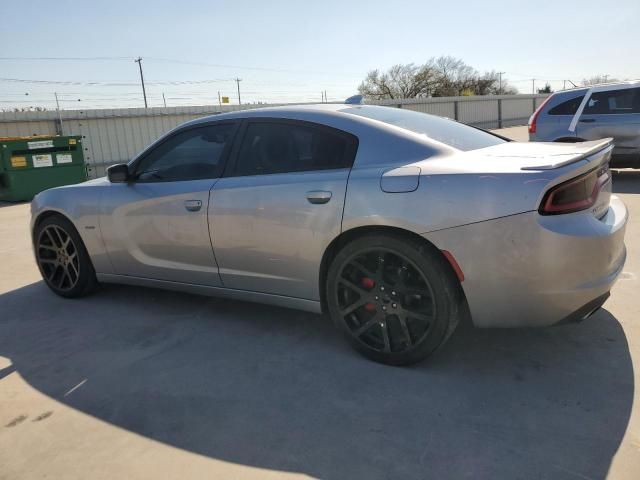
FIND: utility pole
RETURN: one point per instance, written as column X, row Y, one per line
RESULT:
column 164, row 100
column 144, row 93
column 325, row 97
column 322, row 97
column 238, row 80
column 533, row 85
column 59, row 113
column 500, row 82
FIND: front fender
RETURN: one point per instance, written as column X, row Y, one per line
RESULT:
column 79, row 204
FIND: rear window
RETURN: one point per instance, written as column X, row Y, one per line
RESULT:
column 454, row 134
column 570, row 107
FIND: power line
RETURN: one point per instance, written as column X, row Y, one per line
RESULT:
column 172, row 60
column 63, row 58
column 243, row 67
column 114, row 84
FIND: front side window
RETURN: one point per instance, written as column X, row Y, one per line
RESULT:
column 191, row 154
column 614, row 102
column 273, row 147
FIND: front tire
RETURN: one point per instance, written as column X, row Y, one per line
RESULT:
column 62, row 258
column 395, row 299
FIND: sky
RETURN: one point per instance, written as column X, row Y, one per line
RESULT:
column 291, row 51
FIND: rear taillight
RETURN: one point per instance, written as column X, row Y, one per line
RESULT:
column 534, row 116
column 576, row 194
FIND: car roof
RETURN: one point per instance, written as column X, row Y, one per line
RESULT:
column 331, row 114
column 279, row 112
column 601, row 87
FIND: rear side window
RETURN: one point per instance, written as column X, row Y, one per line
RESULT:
column 614, row 102
column 570, row 107
column 449, row 132
column 283, row 147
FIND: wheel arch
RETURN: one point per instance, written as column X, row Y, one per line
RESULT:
column 349, row 235
column 43, row 215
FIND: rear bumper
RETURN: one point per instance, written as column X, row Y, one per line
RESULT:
column 533, row 270
column 586, row 310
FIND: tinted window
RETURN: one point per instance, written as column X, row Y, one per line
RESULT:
column 273, row 147
column 454, row 134
column 192, row 154
column 570, row 107
column 614, row 102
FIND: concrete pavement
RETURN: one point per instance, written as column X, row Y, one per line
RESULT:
column 519, row 134
column 137, row 383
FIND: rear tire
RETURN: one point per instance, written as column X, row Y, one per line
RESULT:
column 62, row 258
column 395, row 299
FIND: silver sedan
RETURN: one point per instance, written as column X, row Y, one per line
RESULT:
column 397, row 224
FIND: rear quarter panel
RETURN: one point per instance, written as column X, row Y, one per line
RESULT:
column 452, row 190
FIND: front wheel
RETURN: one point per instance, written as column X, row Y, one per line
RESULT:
column 395, row 299
column 62, row 258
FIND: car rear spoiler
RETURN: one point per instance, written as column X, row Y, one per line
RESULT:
column 581, row 151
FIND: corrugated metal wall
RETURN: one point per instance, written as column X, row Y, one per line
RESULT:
column 113, row 136
column 491, row 111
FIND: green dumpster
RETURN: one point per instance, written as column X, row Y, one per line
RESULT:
column 29, row 165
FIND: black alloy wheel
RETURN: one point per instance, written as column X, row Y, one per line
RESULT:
column 396, row 299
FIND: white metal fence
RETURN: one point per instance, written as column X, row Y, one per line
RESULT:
column 115, row 135
column 491, row 111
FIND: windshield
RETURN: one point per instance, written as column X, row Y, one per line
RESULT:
column 454, row 134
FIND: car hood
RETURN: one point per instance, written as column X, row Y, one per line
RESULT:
column 92, row 183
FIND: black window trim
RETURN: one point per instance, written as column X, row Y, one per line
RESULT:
column 631, row 112
column 578, row 98
column 232, row 164
column 223, row 158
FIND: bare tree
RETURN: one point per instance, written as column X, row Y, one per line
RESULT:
column 438, row 77
column 490, row 84
column 400, row 81
column 454, row 76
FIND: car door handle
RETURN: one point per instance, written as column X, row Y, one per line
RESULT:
column 193, row 205
column 587, row 120
column 318, row 196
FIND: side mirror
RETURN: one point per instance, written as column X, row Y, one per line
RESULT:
column 118, row 173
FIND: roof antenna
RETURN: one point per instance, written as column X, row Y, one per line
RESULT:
column 355, row 100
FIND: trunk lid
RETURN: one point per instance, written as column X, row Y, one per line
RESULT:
column 515, row 157
column 568, row 153
column 548, row 155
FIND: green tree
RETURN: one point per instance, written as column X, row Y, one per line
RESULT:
column 545, row 89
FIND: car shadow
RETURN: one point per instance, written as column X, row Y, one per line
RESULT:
column 279, row 389
column 626, row 181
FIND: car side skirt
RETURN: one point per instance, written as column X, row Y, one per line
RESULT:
column 312, row 306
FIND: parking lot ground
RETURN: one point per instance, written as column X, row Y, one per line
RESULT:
column 137, row 383
column 519, row 134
